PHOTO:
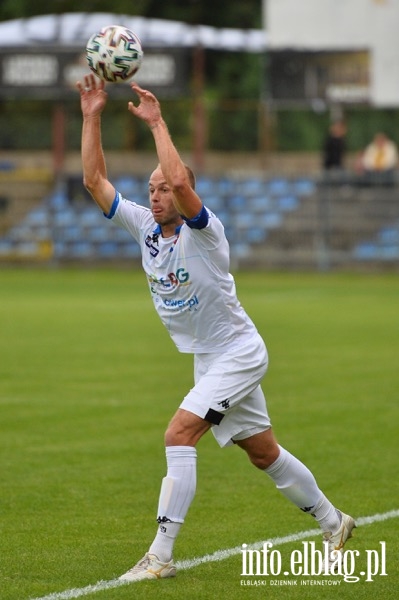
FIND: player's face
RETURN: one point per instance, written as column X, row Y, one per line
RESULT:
column 161, row 200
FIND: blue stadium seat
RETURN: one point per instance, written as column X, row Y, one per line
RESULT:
column 81, row 249
column 270, row 220
column 225, row 186
column 118, row 234
column 59, row 200
column 6, row 247
column 38, row 216
column 128, row 186
column 240, row 250
column 64, row 218
column 225, row 216
column 237, row 203
column 204, row 186
column 259, row 204
column 303, row 187
column 245, row 220
column 214, row 203
column 255, row 235
column 20, row 233
column 69, row 233
column 278, row 186
column 252, row 186
column 143, row 191
column 7, row 165
column 389, row 235
column 99, row 233
column 91, row 217
column 287, row 203
column 41, row 232
column 108, row 250
column 389, row 252
column 130, row 250
column 366, row 251
column 27, row 249
column 60, row 249
column 231, row 233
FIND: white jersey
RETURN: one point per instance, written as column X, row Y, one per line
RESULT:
column 189, row 280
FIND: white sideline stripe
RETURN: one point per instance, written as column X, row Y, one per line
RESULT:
column 184, row 565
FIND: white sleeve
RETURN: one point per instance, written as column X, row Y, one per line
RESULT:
column 129, row 215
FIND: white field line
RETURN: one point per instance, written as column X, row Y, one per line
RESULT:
column 184, row 565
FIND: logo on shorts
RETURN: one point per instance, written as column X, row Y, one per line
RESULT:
column 224, row 404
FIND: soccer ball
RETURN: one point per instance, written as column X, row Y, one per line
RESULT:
column 114, row 53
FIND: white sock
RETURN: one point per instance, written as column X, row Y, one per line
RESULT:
column 298, row 484
column 328, row 517
column 177, row 493
column 162, row 545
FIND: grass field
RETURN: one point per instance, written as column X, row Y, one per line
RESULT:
column 88, row 381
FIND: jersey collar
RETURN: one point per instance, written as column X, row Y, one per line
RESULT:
column 158, row 231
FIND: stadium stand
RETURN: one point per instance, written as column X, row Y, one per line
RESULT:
column 279, row 222
column 385, row 246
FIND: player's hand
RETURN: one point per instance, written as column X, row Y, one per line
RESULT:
column 149, row 109
column 93, row 97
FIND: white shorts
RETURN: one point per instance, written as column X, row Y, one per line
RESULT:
column 227, row 391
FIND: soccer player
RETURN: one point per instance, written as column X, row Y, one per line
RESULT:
column 185, row 255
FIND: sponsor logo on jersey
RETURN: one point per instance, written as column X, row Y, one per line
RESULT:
column 150, row 242
column 172, row 281
column 164, row 289
column 190, row 303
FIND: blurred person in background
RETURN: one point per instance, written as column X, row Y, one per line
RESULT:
column 334, row 147
column 380, row 160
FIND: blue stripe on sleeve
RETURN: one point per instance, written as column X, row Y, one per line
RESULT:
column 200, row 221
column 113, row 207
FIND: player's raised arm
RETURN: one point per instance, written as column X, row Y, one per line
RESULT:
column 186, row 200
column 93, row 99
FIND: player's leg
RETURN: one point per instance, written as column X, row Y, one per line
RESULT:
column 291, row 477
column 177, row 492
column 298, row 484
column 179, row 486
column 221, row 381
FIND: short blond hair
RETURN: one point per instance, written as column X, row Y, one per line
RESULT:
column 189, row 171
column 191, row 176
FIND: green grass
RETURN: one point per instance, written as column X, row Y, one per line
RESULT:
column 88, row 382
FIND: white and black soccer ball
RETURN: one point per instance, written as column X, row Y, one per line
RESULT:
column 114, row 53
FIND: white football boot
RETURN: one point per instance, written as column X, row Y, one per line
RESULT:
column 149, row 567
column 336, row 541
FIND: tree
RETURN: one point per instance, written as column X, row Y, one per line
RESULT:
column 224, row 13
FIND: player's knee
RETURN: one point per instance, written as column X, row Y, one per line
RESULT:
column 175, row 437
column 262, row 449
column 259, row 462
column 178, row 435
column 265, row 459
column 185, row 431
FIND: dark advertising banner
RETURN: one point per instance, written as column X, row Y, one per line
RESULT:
column 51, row 73
column 334, row 77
